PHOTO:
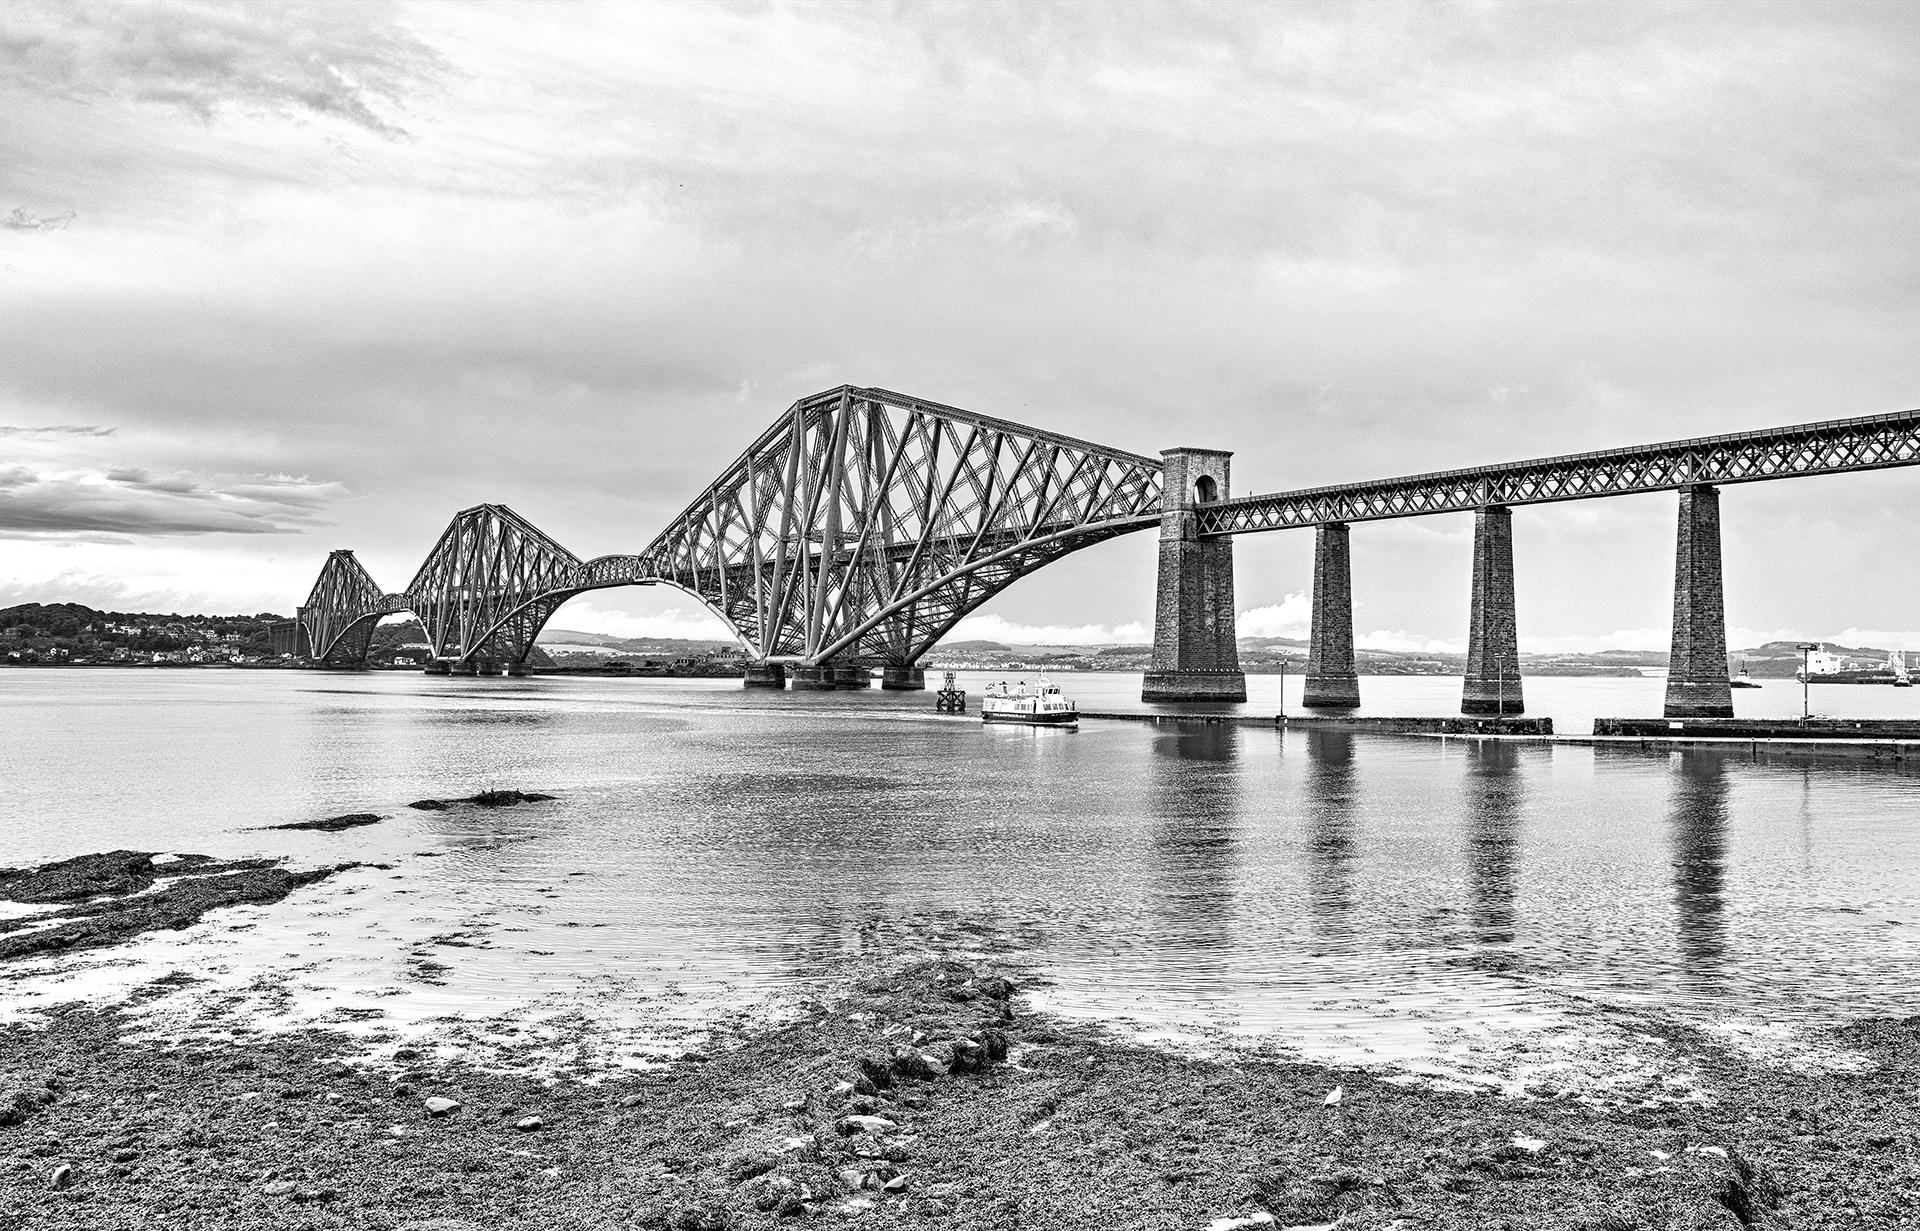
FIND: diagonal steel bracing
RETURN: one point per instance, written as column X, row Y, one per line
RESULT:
column 860, row 527
column 340, row 613
column 1873, row 442
column 864, row 524
column 489, row 585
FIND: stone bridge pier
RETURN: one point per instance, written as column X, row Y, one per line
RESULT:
column 1195, row 656
column 1492, row 685
column 765, row 675
column 1697, row 683
column 1333, row 683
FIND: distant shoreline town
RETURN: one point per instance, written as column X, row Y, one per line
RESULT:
column 70, row 634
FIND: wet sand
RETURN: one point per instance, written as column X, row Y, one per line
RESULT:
column 917, row 1093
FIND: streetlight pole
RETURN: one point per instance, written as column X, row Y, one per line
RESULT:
column 1806, row 680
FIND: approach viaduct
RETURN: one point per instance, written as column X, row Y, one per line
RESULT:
column 863, row 525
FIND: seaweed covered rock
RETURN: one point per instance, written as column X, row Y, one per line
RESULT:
column 334, row 824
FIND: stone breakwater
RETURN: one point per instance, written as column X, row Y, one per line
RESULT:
column 918, row 1096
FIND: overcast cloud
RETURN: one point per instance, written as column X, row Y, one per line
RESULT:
column 327, row 273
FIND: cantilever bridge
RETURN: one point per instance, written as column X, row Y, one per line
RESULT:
column 853, row 533
column 863, row 525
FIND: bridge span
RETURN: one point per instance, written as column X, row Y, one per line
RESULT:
column 861, row 526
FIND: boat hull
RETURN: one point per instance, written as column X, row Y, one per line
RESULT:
column 1852, row 677
column 1033, row 720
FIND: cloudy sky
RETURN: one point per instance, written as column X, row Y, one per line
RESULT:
column 276, row 279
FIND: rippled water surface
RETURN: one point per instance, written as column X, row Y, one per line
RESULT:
column 712, row 844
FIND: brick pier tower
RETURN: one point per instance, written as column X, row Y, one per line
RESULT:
column 1195, row 657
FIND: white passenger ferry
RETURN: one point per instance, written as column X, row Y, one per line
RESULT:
column 1036, row 707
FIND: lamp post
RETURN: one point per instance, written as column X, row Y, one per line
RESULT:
column 1806, row 679
column 1283, row 686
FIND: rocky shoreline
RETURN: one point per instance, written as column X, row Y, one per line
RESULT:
column 914, row 1093
column 925, row 1096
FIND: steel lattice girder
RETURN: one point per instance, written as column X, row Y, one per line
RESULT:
column 861, row 527
column 1873, row 442
column 345, row 605
column 865, row 524
column 490, row 574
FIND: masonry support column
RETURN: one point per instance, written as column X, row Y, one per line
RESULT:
column 1195, row 656
column 1492, row 685
column 1332, row 682
column 812, row 677
column 895, row 678
column 1697, row 684
column 764, row 675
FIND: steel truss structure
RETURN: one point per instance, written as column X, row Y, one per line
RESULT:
column 339, row 615
column 864, row 524
column 1873, row 442
column 859, row 528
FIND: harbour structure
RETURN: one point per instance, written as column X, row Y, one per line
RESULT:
column 864, row 524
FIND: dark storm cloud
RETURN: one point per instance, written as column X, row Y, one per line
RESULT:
column 132, row 502
column 341, row 59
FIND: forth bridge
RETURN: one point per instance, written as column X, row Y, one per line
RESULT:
column 864, row 524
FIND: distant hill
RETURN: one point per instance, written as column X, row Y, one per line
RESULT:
column 50, row 619
column 74, row 632
column 670, row 647
column 1781, row 659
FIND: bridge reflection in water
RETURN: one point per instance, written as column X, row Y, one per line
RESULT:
column 1330, row 799
column 1495, row 807
column 1697, row 824
column 1194, row 798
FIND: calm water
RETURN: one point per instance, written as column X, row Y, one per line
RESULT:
column 1345, row 895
